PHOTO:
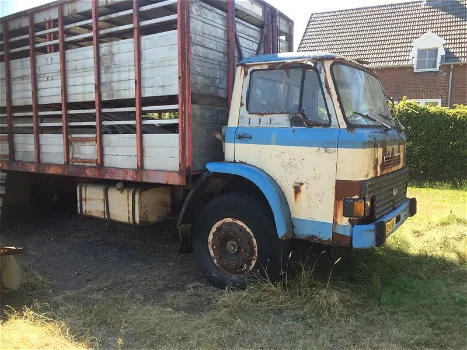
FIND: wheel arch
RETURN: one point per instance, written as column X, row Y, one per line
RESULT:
column 212, row 182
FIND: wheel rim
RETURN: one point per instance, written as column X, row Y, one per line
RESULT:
column 233, row 246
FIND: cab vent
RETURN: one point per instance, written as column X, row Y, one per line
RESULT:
column 391, row 161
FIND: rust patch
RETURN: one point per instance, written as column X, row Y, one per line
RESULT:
column 347, row 188
column 344, row 189
column 341, row 240
column 297, row 190
column 318, row 240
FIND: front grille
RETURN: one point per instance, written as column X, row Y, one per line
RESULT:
column 382, row 190
column 390, row 161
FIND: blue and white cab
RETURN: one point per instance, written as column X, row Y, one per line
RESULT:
column 313, row 138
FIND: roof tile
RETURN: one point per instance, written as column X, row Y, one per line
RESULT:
column 383, row 34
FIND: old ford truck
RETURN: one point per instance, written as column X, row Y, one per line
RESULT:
column 306, row 146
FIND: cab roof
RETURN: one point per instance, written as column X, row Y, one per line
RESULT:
column 289, row 56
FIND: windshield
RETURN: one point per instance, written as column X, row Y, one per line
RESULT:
column 363, row 100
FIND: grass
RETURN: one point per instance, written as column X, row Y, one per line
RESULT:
column 29, row 330
column 410, row 293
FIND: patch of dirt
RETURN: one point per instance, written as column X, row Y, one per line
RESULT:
column 74, row 253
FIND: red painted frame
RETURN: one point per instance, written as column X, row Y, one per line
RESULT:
column 184, row 89
column 138, row 96
column 35, row 111
column 165, row 177
column 97, row 81
column 9, row 109
column 64, row 96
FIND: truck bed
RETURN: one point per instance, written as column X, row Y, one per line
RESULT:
column 122, row 89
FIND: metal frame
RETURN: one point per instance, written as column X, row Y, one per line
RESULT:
column 154, row 176
column 35, row 112
column 97, row 81
column 184, row 88
column 138, row 95
column 9, row 109
column 64, row 96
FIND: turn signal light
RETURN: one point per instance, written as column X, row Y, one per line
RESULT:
column 354, row 207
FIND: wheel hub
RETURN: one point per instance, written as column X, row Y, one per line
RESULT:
column 233, row 246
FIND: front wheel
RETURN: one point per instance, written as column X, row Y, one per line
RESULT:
column 234, row 236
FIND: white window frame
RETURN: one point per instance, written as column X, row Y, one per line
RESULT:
column 427, row 69
column 423, row 101
column 428, row 41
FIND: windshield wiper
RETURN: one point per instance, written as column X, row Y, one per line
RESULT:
column 369, row 116
column 401, row 127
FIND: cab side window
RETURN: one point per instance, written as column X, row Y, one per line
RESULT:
column 313, row 105
column 274, row 91
column 287, row 91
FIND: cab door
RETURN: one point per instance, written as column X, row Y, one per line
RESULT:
column 288, row 128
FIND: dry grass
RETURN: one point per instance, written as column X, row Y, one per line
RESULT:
column 411, row 293
column 29, row 330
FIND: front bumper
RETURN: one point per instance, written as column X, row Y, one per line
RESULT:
column 371, row 235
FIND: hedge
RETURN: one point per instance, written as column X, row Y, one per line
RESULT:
column 437, row 141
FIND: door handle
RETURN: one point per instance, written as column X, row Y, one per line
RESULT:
column 243, row 136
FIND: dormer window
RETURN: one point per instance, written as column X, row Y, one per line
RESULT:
column 427, row 59
column 427, row 52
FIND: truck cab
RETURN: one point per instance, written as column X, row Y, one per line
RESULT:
column 312, row 152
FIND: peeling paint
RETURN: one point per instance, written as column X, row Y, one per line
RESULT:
column 297, row 188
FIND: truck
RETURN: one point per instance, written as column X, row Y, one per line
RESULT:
column 199, row 110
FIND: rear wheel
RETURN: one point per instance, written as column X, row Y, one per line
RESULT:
column 233, row 237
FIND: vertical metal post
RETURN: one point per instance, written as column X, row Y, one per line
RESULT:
column 9, row 109
column 267, row 30
column 230, row 48
column 291, row 36
column 274, row 33
column 97, row 81
column 35, row 114
column 184, row 87
column 48, row 36
column 64, row 96
column 138, row 109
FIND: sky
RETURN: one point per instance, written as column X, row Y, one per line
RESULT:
column 298, row 10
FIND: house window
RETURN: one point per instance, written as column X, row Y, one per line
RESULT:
column 427, row 52
column 428, row 102
column 427, row 59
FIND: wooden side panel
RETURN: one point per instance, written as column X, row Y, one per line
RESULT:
column 3, row 146
column 51, row 148
column 159, row 71
column 206, row 148
column 209, row 48
column 160, row 150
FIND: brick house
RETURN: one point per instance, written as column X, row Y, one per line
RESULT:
column 418, row 48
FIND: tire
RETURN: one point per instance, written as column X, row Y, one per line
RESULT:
column 233, row 237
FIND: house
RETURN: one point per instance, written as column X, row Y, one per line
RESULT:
column 418, row 48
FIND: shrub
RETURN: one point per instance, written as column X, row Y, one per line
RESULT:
column 437, row 141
